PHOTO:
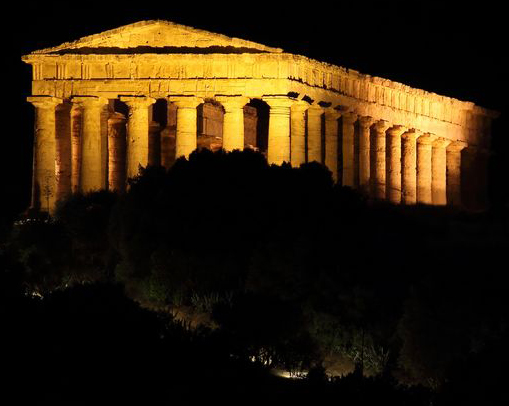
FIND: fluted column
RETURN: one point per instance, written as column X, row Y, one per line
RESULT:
column 424, row 169
column 364, row 160
column 76, row 118
column 298, row 133
column 314, row 115
column 168, row 137
column 377, row 158
column 331, row 141
column 409, row 166
column 453, row 158
column 233, row 121
column 439, row 172
column 116, row 152
column 44, row 176
column 279, row 129
column 137, row 137
column 393, row 157
column 63, row 164
column 93, row 171
column 154, row 143
column 187, row 116
column 348, row 148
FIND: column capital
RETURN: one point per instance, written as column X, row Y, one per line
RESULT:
column 349, row 117
column 411, row 134
column 116, row 117
column 154, row 126
column 186, row 102
column 397, row 130
column 331, row 114
column 315, row 109
column 279, row 101
column 44, row 102
column 366, row 121
column 90, row 101
column 137, row 101
column 300, row 106
column 232, row 101
column 381, row 125
column 441, row 143
column 426, row 139
column 457, row 146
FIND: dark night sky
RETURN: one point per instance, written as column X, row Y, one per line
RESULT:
column 454, row 49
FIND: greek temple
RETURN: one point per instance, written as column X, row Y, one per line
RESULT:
column 153, row 91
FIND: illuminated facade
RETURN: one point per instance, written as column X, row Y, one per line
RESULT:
column 98, row 103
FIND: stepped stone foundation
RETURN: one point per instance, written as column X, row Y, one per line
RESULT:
column 393, row 142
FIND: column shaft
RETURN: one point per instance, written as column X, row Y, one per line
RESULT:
column 279, row 129
column 233, row 121
column 298, row 133
column 378, row 159
column 63, row 151
column 93, row 171
column 44, row 176
column 314, row 115
column 154, row 143
column 117, row 152
column 364, row 148
column 393, row 157
column 409, row 167
column 186, row 133
column 424, row 195
column 76, row 118
column 453, row 159
column 331, row 141
column 439, row 172
column 348, row 148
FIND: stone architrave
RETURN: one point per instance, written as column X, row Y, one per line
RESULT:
column 331, row 141
column 298, row 133
column 117, row 152
column 393, row 158
column 137, row 137
column 439, row 172
column 44, row 189
column 409, row 166
column 187, row 130
column 278, row 150
column 348, row 148
column 314, row 122
column 424, row 173
column 93, row 171
column 453, row 159
column 233, row 121
column 364, row 152
column 377, row 144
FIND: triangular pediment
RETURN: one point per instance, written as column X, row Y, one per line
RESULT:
column 156, row 37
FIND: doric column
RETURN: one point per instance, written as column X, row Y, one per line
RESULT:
column 233, row 121
column 377, row 158
column 116, row 152
column 279, row 129
column 331, row 141
column 314, row 115
column 439, row 172
column 63, row 164
column 393, row 157
column 137, row 132
column 94, row 143
column 364, row 161
column 348, row 148
column 168, row 136
column 76, row 116
column 44, row 176
column 298, row 133
column 424, row 169
column 453, row 159
column 409, row 167
column 187, row 116
column 154, row 143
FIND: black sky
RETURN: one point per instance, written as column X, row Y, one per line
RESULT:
column 457, row 49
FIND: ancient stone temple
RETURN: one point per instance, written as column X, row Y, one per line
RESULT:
column 151, row 92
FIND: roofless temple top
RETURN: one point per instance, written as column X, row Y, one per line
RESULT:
column 150, row 92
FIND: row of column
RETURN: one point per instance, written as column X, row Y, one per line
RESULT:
column 384, row 161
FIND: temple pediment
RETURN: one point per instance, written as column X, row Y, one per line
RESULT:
column 157, row 37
